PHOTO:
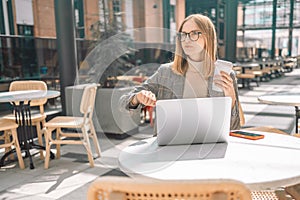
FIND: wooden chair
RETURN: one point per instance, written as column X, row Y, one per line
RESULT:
column 269, row 129
column 145, row 189
column 258, row 128
column 293, row 190
column 288, row 192
column 269, row 194
column 10, row 139
column 38, row 119
column 297, row 135
column 85, row 124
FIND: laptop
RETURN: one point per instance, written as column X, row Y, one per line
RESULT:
column 193, row 121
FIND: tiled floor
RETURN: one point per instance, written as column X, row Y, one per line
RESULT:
column 70, row 176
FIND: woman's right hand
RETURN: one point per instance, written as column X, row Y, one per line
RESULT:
column 144, row 97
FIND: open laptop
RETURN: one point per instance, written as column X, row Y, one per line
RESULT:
column 193, row 121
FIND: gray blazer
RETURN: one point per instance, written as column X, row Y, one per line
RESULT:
column 166, row 84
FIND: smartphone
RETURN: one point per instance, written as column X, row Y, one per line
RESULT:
column 247, row 135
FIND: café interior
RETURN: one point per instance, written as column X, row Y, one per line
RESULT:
column 64, row 66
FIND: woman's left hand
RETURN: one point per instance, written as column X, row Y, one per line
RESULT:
column 225, row 82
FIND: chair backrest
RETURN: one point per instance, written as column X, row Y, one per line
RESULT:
column 88, row 100
column 30, row 85
column 146, row 189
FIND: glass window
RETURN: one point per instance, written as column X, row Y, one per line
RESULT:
column 283, row 13
column 296, row 17
column 116, row 6
column 258, row 22
column 258, row 38
column 259, row 14
column 281, row 44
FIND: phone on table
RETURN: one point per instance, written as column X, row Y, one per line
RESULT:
column 246, row 135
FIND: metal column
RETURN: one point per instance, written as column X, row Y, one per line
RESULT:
column 231, row 30
column 2, row 23
column 274, row 28
column 166, row 20
column 290, row 43
column 66, row 47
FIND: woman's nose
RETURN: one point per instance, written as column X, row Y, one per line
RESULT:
column 188, row 39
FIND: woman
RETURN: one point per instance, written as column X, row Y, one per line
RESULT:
column 191, row 73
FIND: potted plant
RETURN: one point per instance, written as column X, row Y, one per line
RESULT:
column 110, row 57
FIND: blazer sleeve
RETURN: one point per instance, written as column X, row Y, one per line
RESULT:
column 151, row 84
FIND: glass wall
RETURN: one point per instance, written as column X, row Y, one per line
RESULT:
column 259, row 14
column 24, row 58
column 255, row 30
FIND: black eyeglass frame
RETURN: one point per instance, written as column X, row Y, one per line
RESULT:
column 184, row 34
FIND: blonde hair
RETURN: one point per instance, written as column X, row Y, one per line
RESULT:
column 207, row 28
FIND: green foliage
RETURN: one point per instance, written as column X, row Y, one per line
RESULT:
column 111, row 53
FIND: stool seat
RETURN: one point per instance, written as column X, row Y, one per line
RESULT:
column 10, row 139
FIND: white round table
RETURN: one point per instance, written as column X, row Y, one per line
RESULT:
column 27, row 95
column 285, row 100
column 270, row 162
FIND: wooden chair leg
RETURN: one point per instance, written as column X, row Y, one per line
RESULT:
column 87, row 145
column 95, row 140
column 40, row 139
column 6, row 141
column 18, row 148
column 58, row 132
column 48, row 145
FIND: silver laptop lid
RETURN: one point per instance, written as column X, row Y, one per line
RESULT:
column 196, row 120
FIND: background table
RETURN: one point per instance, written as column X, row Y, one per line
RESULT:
column 23, row 117
column 27, row 95
column 269, row 162
column 245, row 66
column 285, row 100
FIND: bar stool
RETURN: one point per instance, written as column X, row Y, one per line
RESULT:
column 10, row 139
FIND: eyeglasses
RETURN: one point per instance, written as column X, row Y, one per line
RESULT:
column 193, row 35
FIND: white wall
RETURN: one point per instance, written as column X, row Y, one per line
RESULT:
column 5, row 13
column 129, row 17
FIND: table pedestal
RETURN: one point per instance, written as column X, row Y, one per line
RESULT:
column 297, row 117
column 25, row 133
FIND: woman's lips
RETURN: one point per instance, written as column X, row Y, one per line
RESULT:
column 188, row 46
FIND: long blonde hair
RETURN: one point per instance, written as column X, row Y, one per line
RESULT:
column 207, row 28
